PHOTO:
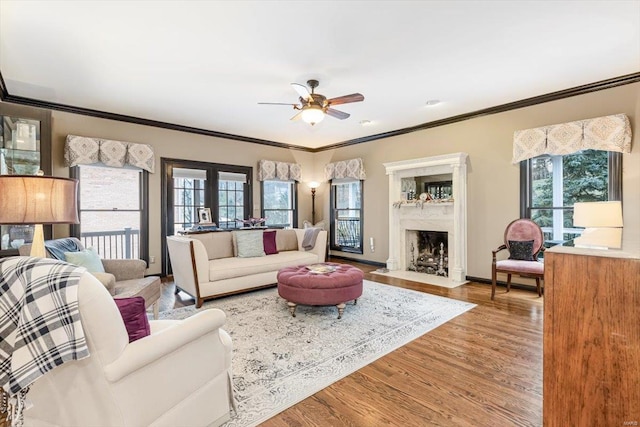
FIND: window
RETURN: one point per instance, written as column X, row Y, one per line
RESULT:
column 552, row 184
column 188, row 185
column 279, row 203
column 188, row 196
column 113, row 211
column 346, row 216
column 231, row 199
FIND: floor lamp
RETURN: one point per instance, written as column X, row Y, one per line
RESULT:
column 313, row 185
column 37, row 200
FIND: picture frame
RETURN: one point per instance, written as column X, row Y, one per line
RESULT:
column 204, row 215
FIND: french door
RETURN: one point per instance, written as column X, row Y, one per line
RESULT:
column 189, row 186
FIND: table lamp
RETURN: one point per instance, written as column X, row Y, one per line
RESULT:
column 602, row 222
column 37, row 200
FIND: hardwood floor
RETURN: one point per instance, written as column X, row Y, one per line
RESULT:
column 483, row 368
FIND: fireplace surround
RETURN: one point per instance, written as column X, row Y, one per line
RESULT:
column 447, row 216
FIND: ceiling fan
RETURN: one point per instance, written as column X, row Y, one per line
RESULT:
column 314, row 106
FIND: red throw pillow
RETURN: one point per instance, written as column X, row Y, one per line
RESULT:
column 135, row 318
column 269, row 241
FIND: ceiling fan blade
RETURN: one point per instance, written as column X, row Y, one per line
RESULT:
column 277, row 103
column 302, row 90
column 354, row 97
column 337, row 114
column 297, row 116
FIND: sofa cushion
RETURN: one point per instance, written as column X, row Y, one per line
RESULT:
column 250, row 243
column 217, row 244
column 228, row 268
column 286, row 240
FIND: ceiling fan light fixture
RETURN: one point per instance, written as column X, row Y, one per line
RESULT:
column 312, row 114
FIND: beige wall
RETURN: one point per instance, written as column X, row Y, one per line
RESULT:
column 493, row 182
column 176, row 145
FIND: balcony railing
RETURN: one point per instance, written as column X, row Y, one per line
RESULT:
column 116, row 244
column 348, row 232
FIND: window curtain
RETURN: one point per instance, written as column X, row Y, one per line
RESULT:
column 353, row 168
column 81, row 150
column 608, row 133
column 269, row 170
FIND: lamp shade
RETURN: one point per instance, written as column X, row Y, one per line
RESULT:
column 312, row 114
column 31, row 199
column 597, row 214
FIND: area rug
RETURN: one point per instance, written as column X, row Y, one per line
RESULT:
column 279, row 360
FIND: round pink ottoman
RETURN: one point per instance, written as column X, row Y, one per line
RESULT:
column 298, row 285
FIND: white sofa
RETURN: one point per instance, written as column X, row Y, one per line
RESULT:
column 180, row 375
column 207, row 266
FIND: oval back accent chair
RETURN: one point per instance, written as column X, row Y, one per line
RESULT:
column 520, row 231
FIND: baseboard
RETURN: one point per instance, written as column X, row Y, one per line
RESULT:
column 361, row 261
column 502, row 284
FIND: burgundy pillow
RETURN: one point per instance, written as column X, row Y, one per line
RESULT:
column 269, row 241
column 135, row 318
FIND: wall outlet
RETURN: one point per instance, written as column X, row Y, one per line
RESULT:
column 152, row 259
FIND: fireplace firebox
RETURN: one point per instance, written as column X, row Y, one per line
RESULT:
column 428, row 252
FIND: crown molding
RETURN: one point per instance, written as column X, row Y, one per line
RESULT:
column 528, row 102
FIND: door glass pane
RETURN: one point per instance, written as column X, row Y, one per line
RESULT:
column 188, row 187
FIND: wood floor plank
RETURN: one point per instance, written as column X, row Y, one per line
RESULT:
column 482, row 368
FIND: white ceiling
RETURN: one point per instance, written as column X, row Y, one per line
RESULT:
column 207, row 64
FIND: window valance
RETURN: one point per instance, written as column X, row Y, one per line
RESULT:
column 81, row 150
column 281, row 171
column 353, row 168
column 608, row 133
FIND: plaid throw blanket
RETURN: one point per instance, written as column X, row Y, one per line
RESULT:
column 39, row 322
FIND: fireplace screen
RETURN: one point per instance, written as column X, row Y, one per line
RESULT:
column 428, row 252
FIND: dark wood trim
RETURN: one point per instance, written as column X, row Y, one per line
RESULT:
column 361, row 261
column 4, row 93
column 332, row 220
column 144, row 216
column 528, row 102
column 199, row 300
column 502, row 283
column 615, row 177
column 140, row 121
column 553, row 96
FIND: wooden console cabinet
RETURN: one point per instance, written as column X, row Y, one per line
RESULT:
column 591, row 338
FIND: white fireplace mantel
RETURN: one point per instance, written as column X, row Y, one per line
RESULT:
column 433, row 217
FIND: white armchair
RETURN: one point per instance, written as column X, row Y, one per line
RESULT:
column 179, row 375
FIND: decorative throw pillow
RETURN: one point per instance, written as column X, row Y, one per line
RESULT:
column 88, row 258
column 269, row 242
column 308, row 224
column 521, row 250
column 134, row 316
column 250, row 243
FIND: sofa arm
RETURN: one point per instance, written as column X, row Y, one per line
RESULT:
column 189, row 262
column 320, row 248
column 125, row 269
column 144, row 352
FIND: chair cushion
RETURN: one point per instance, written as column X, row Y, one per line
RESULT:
column 521, row 250
column 134, row 316
column 530, row 267
column 87, row 258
